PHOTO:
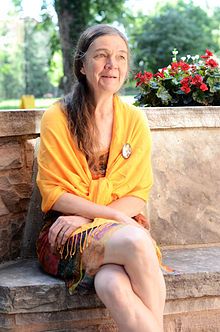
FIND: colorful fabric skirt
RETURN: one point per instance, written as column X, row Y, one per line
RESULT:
column 81, row 256
column 79, row 259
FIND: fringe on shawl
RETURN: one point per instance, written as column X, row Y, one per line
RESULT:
column 84, row 238
column 90, row 234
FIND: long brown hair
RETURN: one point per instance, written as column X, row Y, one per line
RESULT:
column 78, row 104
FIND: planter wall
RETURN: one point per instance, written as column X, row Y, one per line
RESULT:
column 18, row 132
column 185, row 201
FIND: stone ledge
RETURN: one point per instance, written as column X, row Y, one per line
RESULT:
column 27, row 122
column 183, row 117
column 20, row 122
column 25, row 289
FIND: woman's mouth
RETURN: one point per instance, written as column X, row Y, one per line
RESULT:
column 108, row 76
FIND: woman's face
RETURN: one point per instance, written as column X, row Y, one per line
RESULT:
column 106, row 64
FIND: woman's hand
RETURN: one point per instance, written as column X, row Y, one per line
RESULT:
column 63, row 227
column 124, row 219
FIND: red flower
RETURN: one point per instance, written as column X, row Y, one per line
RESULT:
column 203, row 87
column 185, row 88
column 175, row 65
column 148, row 75
column 143, row 78
column 207, row 54
column 185, row 84
column 186, row 80
column 184, row 66
column 211, row 63
column 159, row 74
column 138, row 75
column 197, row 80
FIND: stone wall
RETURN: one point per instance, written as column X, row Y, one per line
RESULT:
column 184, row 204
column 18, row 131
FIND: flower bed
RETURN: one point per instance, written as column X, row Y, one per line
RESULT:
column 191, row 81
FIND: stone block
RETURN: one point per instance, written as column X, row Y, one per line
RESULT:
column 206, row 303
column 20, row 122
column 27, row 289
column 23, row 190
column 77, row 317
column 3, row 208
column 11, row 229
column 200, row 321
column 13, row 201
column 29, row 153
column 15, row 177
column 6, row 322
column 182, row 117
column 184, row 203
column 34, row 301
column 11, row 156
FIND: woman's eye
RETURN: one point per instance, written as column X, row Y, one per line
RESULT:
column 122, row 57
column 100, row 55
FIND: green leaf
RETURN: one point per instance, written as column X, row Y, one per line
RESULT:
column 214, row 83
column 202, row 98
column 164, row 95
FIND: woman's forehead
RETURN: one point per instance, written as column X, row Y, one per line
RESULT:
column 109, row 42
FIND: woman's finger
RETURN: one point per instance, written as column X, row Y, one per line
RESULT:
column 67, row 234
column 62, row 236
column 53, row 233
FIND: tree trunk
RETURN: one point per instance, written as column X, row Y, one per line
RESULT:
column 73, row 17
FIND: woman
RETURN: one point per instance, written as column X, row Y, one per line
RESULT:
column 94, row 177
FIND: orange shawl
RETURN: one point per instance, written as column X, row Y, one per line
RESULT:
column 63, row 168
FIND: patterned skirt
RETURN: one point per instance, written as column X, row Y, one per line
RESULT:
column 82, row 255
column 80, row 258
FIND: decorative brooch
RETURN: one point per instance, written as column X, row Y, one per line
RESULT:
column 126, row 151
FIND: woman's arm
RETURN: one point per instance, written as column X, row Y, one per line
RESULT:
column 129, row 205
column 80, row 211
column 71, row 204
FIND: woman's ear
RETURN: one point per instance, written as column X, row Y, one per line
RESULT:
column 82, row 70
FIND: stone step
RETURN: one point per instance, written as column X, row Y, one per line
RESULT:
column 32, row 301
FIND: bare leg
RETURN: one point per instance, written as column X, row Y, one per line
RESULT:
column 132, row 248
column 113, row 287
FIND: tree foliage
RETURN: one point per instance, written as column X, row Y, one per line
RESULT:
column 36, row 66
column 183, row 26
column 24, row 67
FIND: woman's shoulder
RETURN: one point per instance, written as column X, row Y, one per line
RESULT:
column 54, row 109
column 54, row 113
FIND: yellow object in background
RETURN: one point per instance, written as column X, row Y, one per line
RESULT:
column 27, row 101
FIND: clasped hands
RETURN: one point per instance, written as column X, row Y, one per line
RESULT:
column 64, row 226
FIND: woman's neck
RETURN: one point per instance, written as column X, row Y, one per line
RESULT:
column 104, row 106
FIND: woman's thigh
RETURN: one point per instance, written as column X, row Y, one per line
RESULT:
column 128, row 243
column 118, row 247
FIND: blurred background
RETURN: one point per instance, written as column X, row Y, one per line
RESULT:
column 37, row 39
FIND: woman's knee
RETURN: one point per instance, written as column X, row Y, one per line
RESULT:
column 137, row 243
column 111, row 282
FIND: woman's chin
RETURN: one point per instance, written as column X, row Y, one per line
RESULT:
column 110, row 88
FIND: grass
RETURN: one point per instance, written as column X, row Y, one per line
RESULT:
column 15, row 103
column 44, row 102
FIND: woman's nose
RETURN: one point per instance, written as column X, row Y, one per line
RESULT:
column 111, row 63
